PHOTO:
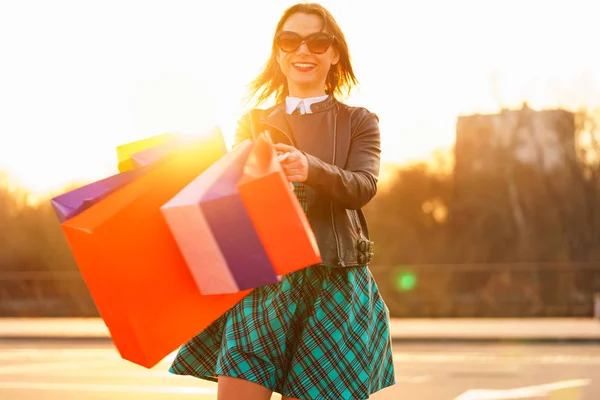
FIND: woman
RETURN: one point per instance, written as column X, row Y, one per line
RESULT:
column 322, row 332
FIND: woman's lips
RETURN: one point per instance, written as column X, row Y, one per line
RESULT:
column 304, row 67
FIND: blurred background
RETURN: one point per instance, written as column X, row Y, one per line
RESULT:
column 489, row 199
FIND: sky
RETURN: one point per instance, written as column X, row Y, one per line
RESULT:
column 79, row 78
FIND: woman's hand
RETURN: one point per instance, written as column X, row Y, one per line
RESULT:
column 295, row 165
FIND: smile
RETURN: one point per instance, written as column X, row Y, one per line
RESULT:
column 304, row 67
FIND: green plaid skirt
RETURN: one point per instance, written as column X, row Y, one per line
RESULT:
column 321, row 333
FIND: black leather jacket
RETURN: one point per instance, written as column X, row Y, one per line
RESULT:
column 342, row 175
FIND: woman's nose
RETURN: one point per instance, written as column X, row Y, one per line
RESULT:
column 303, row 49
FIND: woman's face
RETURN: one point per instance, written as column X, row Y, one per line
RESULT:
column 305, row 70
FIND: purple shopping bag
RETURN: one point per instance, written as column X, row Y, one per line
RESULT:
column 233, row 229
column 76, row 201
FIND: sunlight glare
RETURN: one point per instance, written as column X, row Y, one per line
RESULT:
column 84, row 78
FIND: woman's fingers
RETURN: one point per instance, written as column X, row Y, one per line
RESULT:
column 283, row 148
column 293, row 162
column 290, row 168
column 283, row 156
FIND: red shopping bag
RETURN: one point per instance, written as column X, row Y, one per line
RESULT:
column 275, row 211
column 132, row 266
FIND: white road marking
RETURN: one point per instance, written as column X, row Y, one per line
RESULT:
column 49, row 366
column 399, row 357
column 486, row 358
column 84, row 387
column 522, row 392
column 113, row 372
column 33, row 353
column 52, row 353
column 413, row 379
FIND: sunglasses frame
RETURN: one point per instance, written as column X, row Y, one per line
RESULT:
column 305, row 40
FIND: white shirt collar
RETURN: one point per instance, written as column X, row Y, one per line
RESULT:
column 291, row 103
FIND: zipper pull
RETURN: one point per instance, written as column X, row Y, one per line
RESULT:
column 341, row 263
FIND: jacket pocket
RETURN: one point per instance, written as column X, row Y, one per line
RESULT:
column 354, row 222
column 362, row 248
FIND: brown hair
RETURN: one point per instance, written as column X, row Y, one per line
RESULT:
column 271, row 80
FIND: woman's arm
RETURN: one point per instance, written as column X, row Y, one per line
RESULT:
column 243, row 131
column 354, row 186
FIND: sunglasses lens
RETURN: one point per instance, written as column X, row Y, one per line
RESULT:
column 319, row 44
column 289, row 42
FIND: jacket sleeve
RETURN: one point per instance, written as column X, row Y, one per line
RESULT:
column 243, row 130
column 355, row 185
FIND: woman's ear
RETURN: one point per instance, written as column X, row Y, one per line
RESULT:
column 336, row 57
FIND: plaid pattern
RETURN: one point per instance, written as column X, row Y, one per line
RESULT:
column 321, row 333
column 301, row 194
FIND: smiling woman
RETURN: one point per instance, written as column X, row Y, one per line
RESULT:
column 323, row 331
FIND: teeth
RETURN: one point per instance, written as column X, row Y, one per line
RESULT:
column 302, row 65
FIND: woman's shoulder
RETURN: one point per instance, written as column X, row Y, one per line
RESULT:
column 360, row 115
column 250, row 120
column 256, row 113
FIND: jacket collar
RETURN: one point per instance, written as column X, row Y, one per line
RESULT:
column 276, row 115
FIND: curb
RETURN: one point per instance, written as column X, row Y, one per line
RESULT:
column 395, row 340
column 498, row 340
column 55, row 339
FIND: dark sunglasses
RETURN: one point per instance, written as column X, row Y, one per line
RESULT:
column 317, row 43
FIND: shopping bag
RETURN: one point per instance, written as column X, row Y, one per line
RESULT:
column 238, row 224
column 212, row 228
column 155, row 153
column 275, row 211
column 69, row 204
column 132, row 266
column 125, row 151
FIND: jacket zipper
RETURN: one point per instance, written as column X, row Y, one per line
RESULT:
column 337, row 241
column 356, row 222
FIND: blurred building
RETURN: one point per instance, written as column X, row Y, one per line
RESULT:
column 516, row 179
column 486, row 144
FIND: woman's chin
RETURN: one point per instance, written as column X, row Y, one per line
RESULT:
column 305, row 82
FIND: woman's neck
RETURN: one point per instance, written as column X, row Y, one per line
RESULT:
column 306, row 93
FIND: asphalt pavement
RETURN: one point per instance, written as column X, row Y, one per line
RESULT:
column 435, row 359
column 437, row 371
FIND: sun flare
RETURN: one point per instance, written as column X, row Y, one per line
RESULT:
column 85, row 79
